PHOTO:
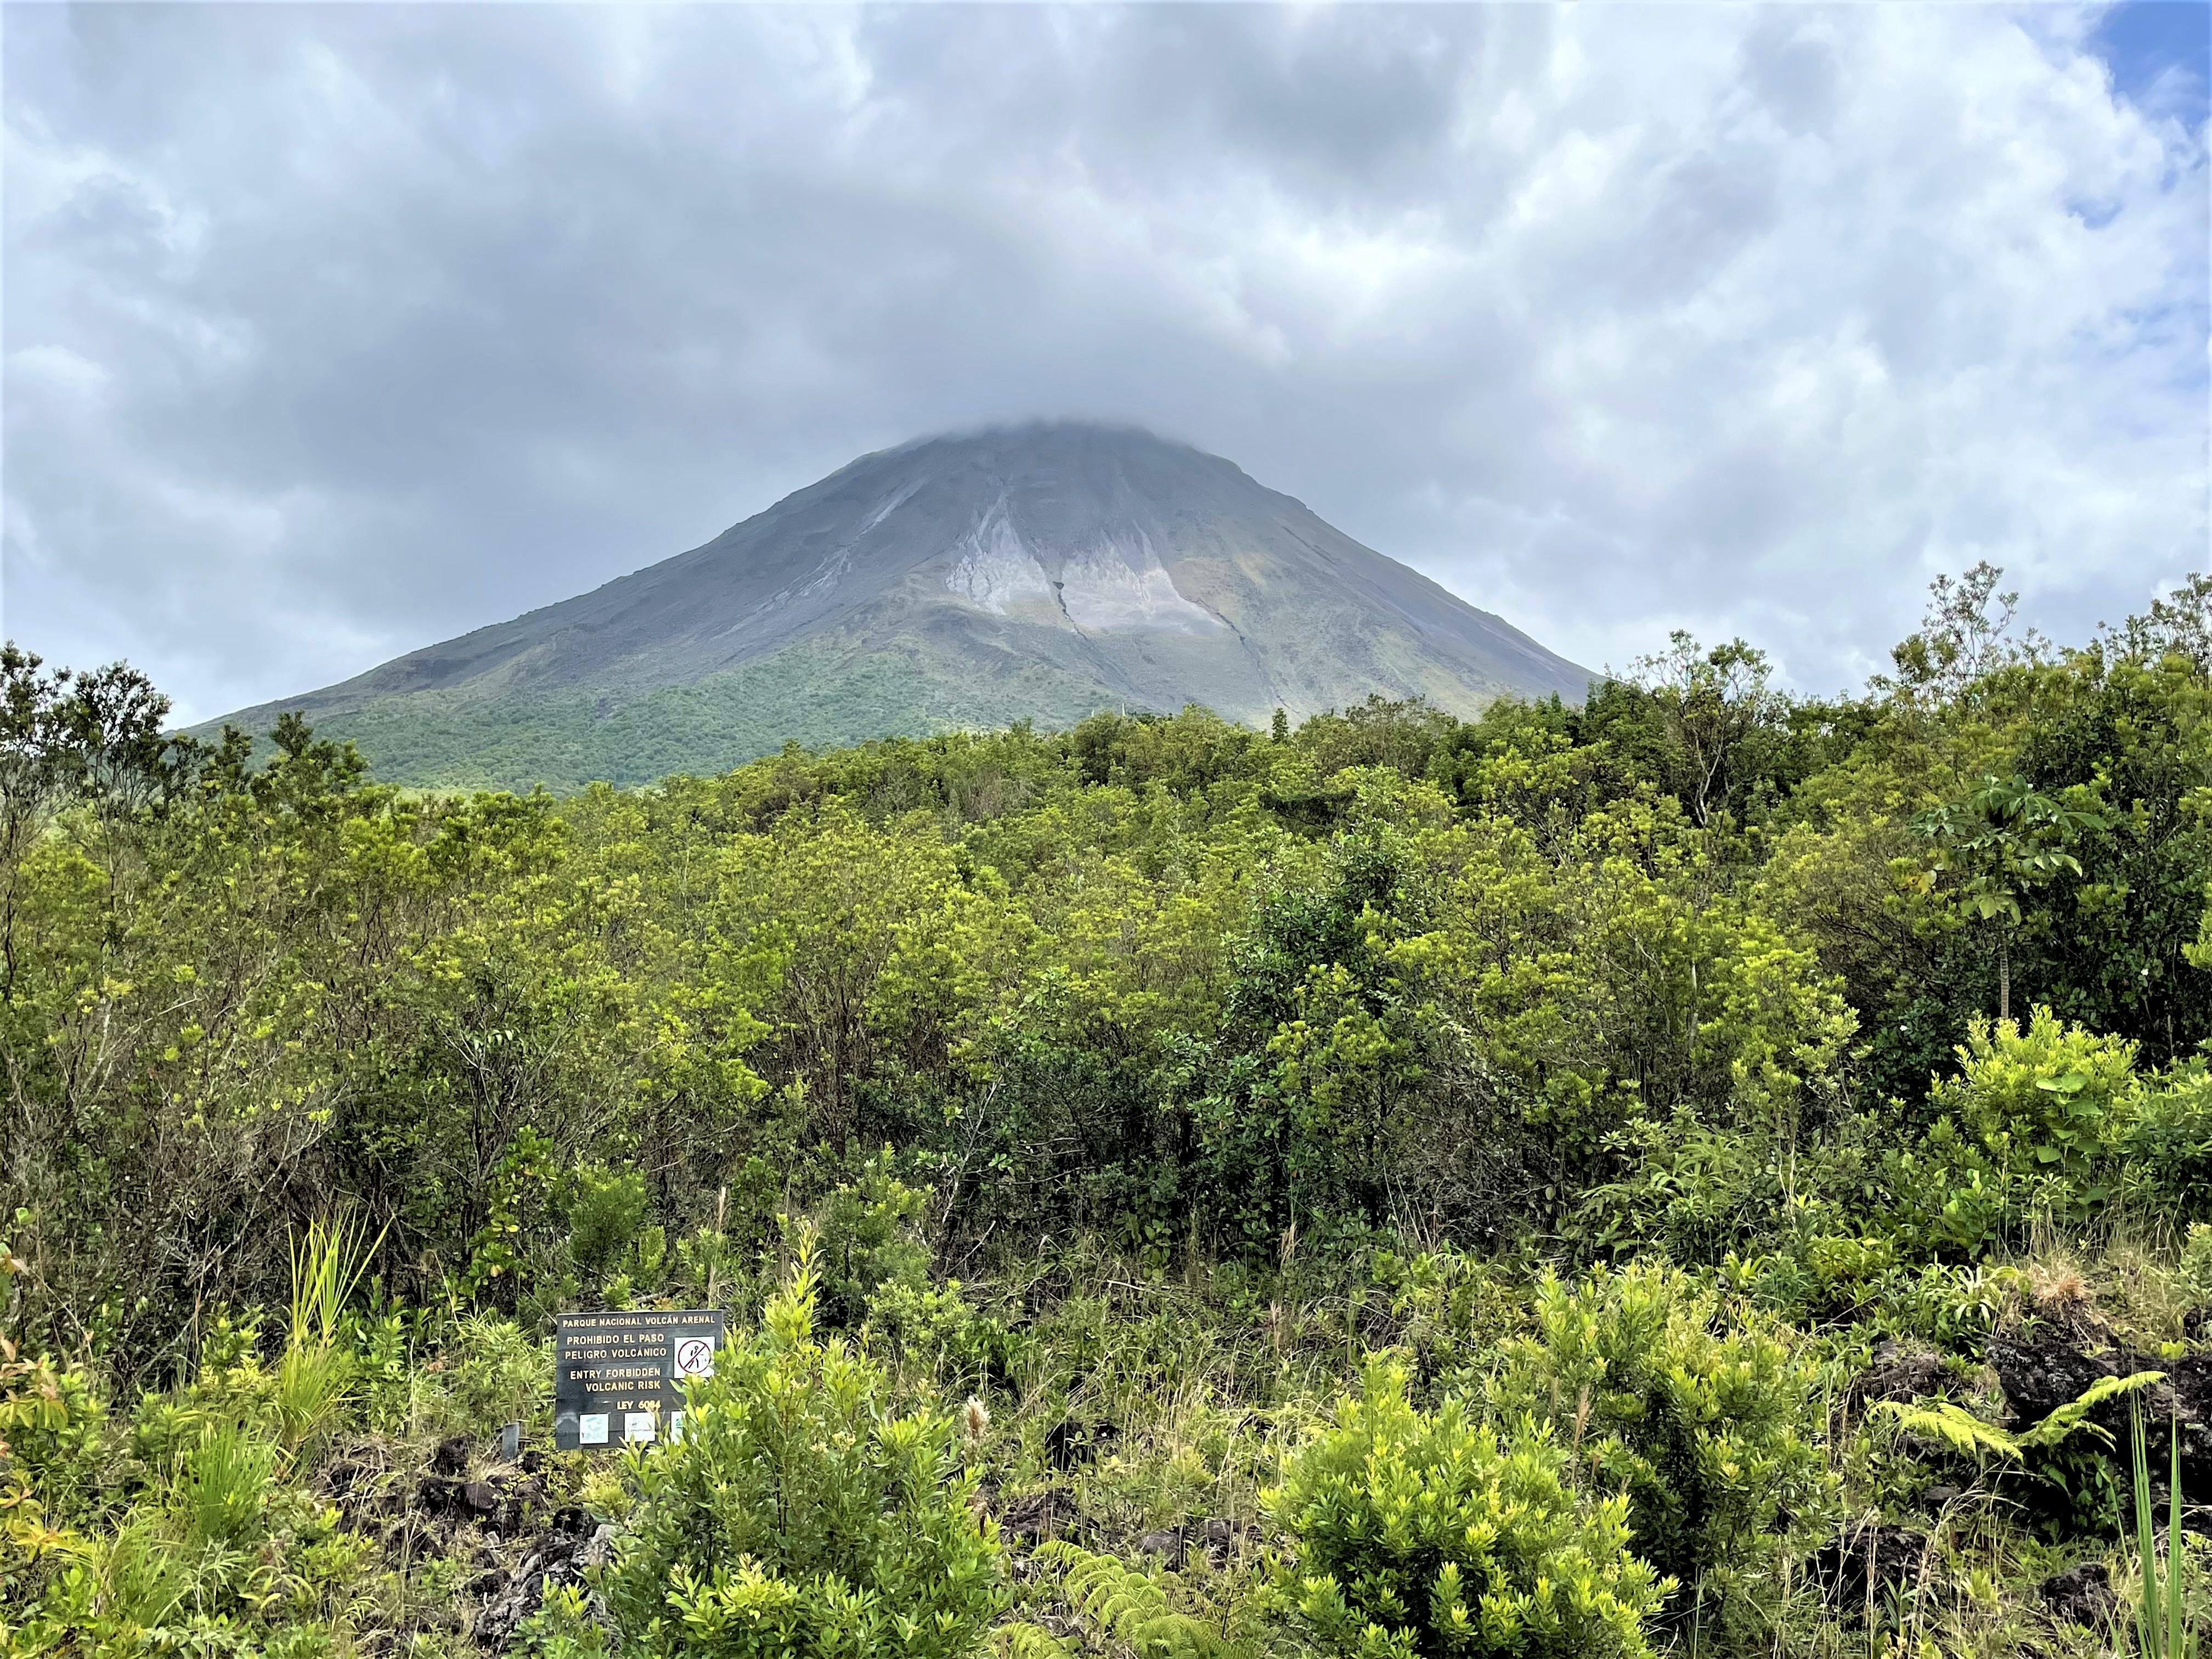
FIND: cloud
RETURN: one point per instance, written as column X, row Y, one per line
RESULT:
column 332, row 332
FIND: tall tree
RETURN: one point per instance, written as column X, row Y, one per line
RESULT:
column 1995, row 846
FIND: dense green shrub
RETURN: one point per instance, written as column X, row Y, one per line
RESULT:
column 1700, row 1414
column 606, row 1210
column 866, row 1239
column 2163, row 1143
column 1418, row 1535
column 213, row 1542
column 800, row 1517
column 2039, row 1098
column 1215, row 1061
column 2045, row 1123
column 936, row 1331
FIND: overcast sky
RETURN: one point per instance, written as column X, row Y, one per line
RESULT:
column 331, row 332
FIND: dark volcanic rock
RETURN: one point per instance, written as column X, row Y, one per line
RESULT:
column 2045, row 1370
column 1038, row 1517
column 1898, row 1370
column 2049, row 1368
column 1167, row 1544
column 498, row 1503
column 2082, row 1596
column 560, row 1558
column 1869, row 1557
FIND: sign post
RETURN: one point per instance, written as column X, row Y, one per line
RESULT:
column 619, row 1377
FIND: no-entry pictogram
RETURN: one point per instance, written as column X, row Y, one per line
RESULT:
column 695, row 1357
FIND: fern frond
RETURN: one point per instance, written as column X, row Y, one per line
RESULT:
column 1960, row 1430
column 1030, row 1642
column 1953, row 1425
column 1125, row 1605
column 2074, row 1415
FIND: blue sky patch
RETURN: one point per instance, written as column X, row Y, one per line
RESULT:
column 2160, row 55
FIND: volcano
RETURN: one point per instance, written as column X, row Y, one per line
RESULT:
column 1041, row 572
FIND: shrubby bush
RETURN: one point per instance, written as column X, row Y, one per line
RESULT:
column 865, row 1238
column 2051, row 1123
column 2163, row 1144
column 1418, row 1534
column 1228, row 1059
column 1447, row 1310
column 937, row 1332
column 213, row 1542
column 1701, row 1413
column 2039, row 1100
column 800, row 1516
column 607, row 1212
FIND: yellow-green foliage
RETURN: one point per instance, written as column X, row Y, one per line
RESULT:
column 2040, row 1099
column 1415, row 1534
column 1700, row 1412
column 222, row 1545
column 1144, row 1079
column 799, row 1517
column 1948, row 1424
column 1123, row 1607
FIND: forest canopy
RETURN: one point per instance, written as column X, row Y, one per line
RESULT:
column 1236, row 1191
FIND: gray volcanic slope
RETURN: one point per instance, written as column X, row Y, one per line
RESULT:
column 1041, row 571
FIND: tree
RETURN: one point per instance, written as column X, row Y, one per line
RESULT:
column 92, row 735
column 1966, row 636
column 1995, row 846
column 1721, row 716
column 2177, row 625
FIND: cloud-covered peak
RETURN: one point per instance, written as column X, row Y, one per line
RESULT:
column 332, row 330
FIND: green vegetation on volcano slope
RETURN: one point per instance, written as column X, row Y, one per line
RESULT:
column 816, row 693
column 1041, row 572
column 1552, row 1183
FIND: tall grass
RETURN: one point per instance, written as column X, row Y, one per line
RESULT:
column 2162, row 1630
column 316, row 1375
column 141, row 1578
column 223, row 1497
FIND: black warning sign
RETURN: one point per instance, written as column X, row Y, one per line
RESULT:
column 619, row 1377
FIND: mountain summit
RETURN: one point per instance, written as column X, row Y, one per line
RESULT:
column 1042, row 571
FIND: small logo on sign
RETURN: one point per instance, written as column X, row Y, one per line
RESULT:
column 695, row 1355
